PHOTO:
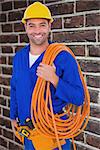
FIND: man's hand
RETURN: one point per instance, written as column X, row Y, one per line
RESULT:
column 14, row 125
column 47, row 72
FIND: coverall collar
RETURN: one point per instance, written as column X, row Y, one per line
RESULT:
column 39, row 58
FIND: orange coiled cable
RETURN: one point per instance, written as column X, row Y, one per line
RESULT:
column 43, row 118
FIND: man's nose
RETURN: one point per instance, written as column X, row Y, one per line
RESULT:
column 37, row 30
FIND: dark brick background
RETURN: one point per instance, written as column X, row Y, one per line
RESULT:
column 77, row 24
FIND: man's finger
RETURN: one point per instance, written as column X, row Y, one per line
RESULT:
column 44, row 65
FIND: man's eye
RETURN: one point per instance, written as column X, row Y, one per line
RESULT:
column 43, row 25
column 31, row 26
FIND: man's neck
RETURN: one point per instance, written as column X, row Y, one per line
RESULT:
column 38, row 49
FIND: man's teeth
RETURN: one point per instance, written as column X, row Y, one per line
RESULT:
column 37, row 36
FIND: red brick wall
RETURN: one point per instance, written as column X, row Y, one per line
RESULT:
column 77, row 24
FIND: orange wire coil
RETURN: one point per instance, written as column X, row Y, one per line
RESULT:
column 44, row 120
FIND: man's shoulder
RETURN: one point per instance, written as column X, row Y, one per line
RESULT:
column 64, row 59
column 64, row 56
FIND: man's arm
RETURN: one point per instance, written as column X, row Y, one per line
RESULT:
column 69, row 87
column 13, row 102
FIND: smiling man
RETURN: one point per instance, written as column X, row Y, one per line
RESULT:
column 66, row 85
column 37, row 31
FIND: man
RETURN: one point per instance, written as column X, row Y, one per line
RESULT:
column 66, row 86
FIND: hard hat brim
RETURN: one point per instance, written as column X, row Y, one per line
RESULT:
column 24, row 20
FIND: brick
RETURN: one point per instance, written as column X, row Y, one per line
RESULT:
column 18, row 27
column 89, row 66
column 5, row 122
column 2, row 17
column 1, row 131
column 80, row 137
column 15, row 16
column 7, row 70
column 93, row 126
column 0, row 67
column 50, row 1
column 6, row 6
column 0, row 63
column 17, row 48
column 95, row 112
column 57, row 23
column 8, row 103
column 1, row 147
column 93, row 140
column 94, row 51
column 14, row 146
column 78, row 50
column 31, row 1
column 7, row 28
column 94, row 96
column 8, row 39
column 3, row 60
column 93, row 81
column 2, row 101
column 5, row 81
column 65, row 8
column 20, row 4
column 1, row 121
column 72, row 148
column 0, row 90
column 6, row 91
column 87, row 5
column 3, row 142
column 93, row 20
column 81, row 147
column 0, row 111
column 10, row 60
column 7, row 134
column 74, row 22
column 6, row 49
column 99, row 35
column 23, row 38
column 8, row 124
column 6, row 112
column 75, row 36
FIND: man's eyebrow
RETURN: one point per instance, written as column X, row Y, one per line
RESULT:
column 43, row 23
column 31, row 23
column 39, row 23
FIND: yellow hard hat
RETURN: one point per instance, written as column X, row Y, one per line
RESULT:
column 37, row 10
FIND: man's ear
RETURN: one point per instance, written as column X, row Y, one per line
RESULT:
column 49, row 25
column 25, row 26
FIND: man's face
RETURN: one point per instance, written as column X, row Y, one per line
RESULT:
column 38, row 30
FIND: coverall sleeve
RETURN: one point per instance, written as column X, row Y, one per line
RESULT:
column 69, row 88
column 13, row 101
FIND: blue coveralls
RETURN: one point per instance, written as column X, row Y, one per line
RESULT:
column 68, row 90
